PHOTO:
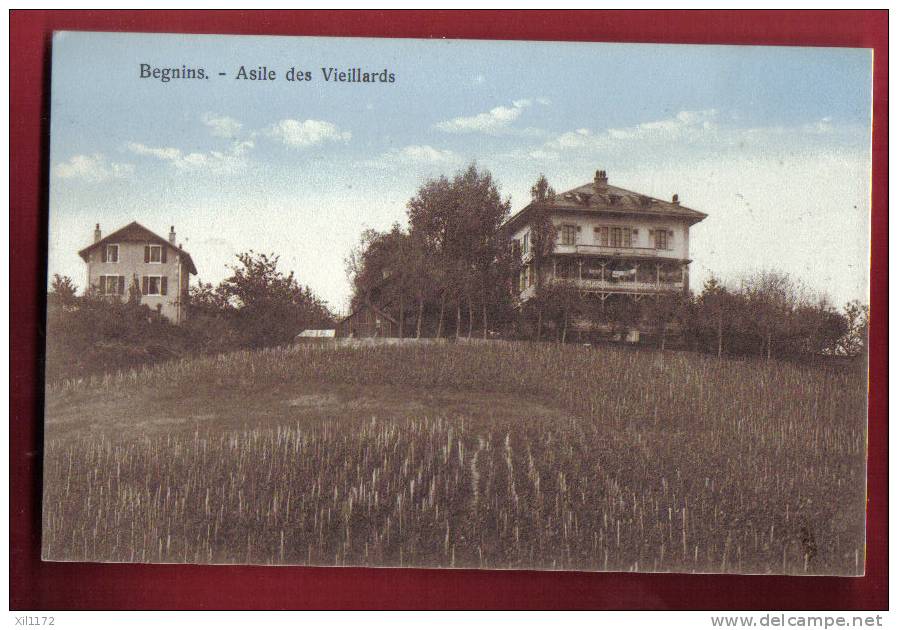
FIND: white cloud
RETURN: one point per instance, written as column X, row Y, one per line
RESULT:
column 704, row 128
column 222, row 126
column 497, row 120
column 824, row 125
column 307, row 133
column 414, row 155
column 163, row 153
column 93, row 168
column 540, row 154
column 684, row 126
column 231, row 160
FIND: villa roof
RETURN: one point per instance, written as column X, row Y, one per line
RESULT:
column 600, row 198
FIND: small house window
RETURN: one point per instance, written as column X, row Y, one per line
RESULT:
column 154, row 285
column 154, row 254
column 661, row 241
column 568, row 234
column 111, row 254
column 112, row 285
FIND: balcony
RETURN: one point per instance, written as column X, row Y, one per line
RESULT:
column 611, row 252
column 624, row 286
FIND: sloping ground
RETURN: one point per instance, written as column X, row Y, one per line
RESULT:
column 154, row 412
column 483, row 455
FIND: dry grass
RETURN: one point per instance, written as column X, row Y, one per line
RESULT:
column 704, row 465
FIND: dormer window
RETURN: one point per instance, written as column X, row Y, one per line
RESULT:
column 110, row 254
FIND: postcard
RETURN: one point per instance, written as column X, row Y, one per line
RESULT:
column 457, row 304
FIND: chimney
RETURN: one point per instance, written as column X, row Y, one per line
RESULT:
column 676, row 199
column 601, row 180
column 97, row 234
column 171, row 235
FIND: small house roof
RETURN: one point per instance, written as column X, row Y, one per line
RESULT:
column 135, row 232
column 601, row 198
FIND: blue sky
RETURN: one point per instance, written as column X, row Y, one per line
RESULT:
column 772, row 143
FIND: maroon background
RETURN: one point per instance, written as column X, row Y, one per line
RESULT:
column 38, row 585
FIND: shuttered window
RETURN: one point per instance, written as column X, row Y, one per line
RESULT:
column 621, row 237
column 154, row 285
column 109, row 254
column 111, row 285
column 568, row 234
column 154, row 254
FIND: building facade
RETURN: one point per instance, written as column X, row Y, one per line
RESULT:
column 135, row 261
column 613, row 244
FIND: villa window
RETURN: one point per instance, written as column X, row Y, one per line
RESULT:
column 621, row 237
column 661, row 241
column 600, row 235
column 568, row 234
column 525, row 248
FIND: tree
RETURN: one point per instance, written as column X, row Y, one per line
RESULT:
column 390, row 267
column 770, row 297
column 63, row 291
column 455, row 223
column 268, row 307
column 484, row 212
column 817, row 327
column 501, row 280
column 622, row 314
column 541, row 191
column 857, row 323
column 134, row 292
column 665, row 312
column 542, row 235
column 434, row 219
column 714, row 307
column 561, row 302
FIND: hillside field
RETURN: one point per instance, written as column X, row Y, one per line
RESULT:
column 493, row 455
